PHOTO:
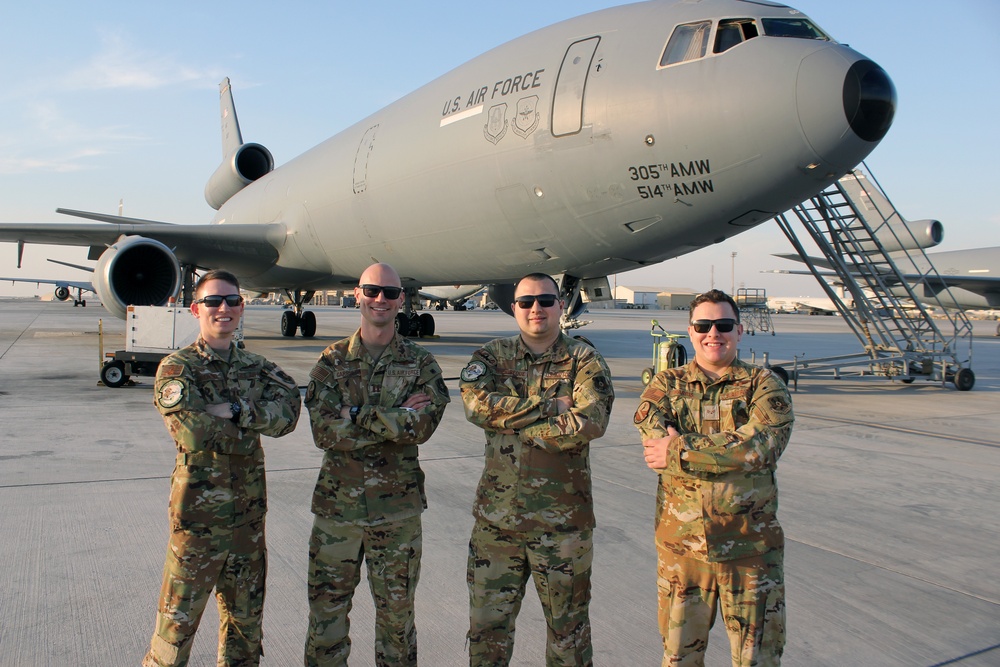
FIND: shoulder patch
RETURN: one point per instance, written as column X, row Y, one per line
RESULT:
column 602, row 385
column 320, row 373
column 642, row 412
column 170, row 394
column 171, row 370
column 310, row 390
column 473, row 371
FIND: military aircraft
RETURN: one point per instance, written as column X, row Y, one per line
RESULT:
column 456, row 296
column 62, row 290
column 607, row 142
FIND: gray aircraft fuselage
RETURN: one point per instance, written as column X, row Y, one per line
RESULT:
column 569, row 150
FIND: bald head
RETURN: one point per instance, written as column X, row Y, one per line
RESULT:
column 380, row 274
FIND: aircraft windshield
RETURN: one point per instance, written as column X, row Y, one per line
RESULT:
column 801, row 28
column 689, row 41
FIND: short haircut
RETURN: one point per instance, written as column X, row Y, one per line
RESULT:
column 713, row 296
column 217, row 274
column 538, row 276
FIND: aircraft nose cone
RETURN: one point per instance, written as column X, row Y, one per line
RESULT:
column 845, row 105
column 869, row 100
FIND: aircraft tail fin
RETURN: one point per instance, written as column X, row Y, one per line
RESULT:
column 242, row 164
column 232, row 138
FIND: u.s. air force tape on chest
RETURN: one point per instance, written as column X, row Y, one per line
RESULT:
column 473, row 371
column 171, row 394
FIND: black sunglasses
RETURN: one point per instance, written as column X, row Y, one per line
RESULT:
column 215, row 300
column 372, row 291
column 544, row 300
column 724, row 325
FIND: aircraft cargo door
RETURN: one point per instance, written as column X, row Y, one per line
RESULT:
column 567, row 102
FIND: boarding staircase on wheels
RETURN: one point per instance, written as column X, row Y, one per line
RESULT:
column 754, row 313
column 882, row 266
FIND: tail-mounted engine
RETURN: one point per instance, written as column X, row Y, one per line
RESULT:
column 239, row 169
column 136, row 271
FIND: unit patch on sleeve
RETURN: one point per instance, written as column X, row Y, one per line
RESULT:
column 171, row 394
column 473, row 371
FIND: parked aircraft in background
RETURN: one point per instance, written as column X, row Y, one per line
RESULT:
column 457, row 296
column 62, row 292
column 969, row 279
column 611, row 141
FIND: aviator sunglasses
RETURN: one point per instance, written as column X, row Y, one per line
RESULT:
column 215, row 300
column 544, row 300
column 372, row 291
column 724, row 325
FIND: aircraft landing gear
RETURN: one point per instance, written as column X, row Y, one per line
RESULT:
column 411, row 324
column 299, row 319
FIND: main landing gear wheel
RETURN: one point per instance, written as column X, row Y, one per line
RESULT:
column 113, row 374
column 307, row 323
column 289, row 323
column 425, row 325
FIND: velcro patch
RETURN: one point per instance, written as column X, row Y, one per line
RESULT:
column 473, row 371
column 171, row 371
column 170, row 394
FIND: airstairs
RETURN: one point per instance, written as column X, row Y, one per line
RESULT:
column 754, row 313
column 865, row 241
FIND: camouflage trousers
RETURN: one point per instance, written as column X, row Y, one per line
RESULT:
column 231, row 560
column 392, row 553
column 752, row 595
column 500, row 563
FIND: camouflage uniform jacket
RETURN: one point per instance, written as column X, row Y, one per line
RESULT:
column 371, row 473
column 219, row 477
column 721, row 503
column 537, row 478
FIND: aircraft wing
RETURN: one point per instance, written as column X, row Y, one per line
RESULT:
column 87, row 287
column 979, row 284
column 238, row 247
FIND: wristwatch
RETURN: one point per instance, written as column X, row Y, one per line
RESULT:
column 354, row 413
column 237, row 409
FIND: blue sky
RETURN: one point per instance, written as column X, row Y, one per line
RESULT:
column 104, row 101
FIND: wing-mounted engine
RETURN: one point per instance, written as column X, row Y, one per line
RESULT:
column 61, row 292
column 136, row 271
column 242, row 164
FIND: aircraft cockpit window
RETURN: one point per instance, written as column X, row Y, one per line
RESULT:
column 801, row 28
column 732, row 32
column 689, row 41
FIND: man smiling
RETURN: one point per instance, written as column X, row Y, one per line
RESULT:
column 713, row 430
column 540, row 397
column 372, row 398
column 217, row 400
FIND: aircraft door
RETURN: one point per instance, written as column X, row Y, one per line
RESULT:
column 571, row 83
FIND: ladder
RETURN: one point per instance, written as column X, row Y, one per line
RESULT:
column 754, row 313
column 877, row 258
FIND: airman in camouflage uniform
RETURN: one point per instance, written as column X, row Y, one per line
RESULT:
column 372, row 399
column 217, row 400
column 714, row 430
column 541, row 397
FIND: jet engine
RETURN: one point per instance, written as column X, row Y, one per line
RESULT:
column 904, row 235
column 136, row 271
column 241, row 168
column 61, row 292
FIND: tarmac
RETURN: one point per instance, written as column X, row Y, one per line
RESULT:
column 888, row 500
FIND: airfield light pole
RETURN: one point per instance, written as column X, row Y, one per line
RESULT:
column 732, row 290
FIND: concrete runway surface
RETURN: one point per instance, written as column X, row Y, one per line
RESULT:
column 889, row 500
